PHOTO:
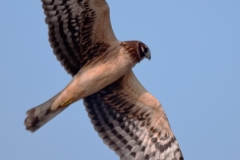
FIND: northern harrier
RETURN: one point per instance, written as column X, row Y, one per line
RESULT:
column 126, row 116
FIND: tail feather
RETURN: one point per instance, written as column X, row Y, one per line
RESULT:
column 40, row 115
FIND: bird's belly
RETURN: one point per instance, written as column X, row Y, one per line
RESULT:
column 90, row 81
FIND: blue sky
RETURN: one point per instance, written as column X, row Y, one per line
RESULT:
column 194, row 72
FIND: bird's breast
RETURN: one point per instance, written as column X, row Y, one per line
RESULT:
column 93, row 78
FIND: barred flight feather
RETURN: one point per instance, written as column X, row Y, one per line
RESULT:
column 131, row 136
column 75, row 33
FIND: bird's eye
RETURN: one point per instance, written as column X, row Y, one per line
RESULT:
column 144, row 49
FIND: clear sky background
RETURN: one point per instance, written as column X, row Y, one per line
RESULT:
column 194, row 72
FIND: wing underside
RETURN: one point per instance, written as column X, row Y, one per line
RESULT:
column 129, row 123
column 79, row 30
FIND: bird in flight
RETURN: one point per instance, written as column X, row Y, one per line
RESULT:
column 126, row 116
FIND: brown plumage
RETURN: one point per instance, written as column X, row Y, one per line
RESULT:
column 127, row 117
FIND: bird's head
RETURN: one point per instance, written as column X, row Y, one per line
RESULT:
column 137, row 50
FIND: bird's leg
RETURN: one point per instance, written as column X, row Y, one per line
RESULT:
column 66, row 103
column 68, row 96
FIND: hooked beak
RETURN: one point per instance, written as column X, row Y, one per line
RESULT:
column 148, row 56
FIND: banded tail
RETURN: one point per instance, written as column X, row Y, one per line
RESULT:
column 40, row 115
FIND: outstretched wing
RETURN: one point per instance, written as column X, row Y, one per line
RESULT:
column 79, row 31
column 132, row 122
